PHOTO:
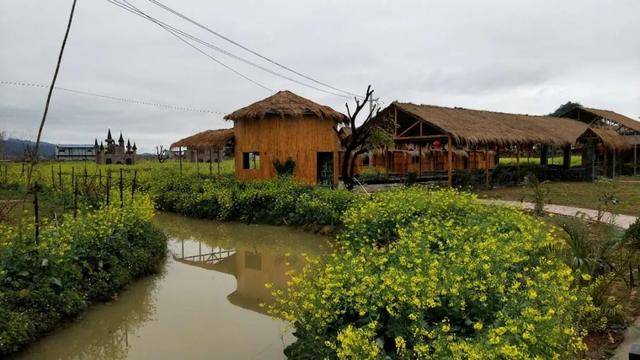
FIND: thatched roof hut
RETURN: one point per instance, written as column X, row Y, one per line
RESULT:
column 601, row 117
column 285, row 104
column 610, row 138
column 473, row 127
column 205, row 140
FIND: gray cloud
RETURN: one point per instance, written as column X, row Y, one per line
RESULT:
column 522, row 56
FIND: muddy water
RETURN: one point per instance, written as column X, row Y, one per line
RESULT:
column 205, row 303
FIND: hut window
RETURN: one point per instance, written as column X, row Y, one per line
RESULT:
column 251, row 160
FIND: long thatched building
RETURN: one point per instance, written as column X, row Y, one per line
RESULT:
column 440, row 139
column 285, row 127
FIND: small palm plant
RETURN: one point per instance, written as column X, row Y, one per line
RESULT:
column 539, row 192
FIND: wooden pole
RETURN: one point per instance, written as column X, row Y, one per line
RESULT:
column 75, row 194
column 613, row 172
column 487, row 178
column 180, row 158
column 53, row 176
column 449, row 160
column 36, row 212
column 210, row 162
column 635, row 159
column 197, row 163
column 219, row 160
column 108, row 186
column 121, row 190
column 60, row 177
column 51, row 87
column 133, row 184
column 419, row 160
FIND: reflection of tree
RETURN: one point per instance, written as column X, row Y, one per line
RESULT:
column 105, row 331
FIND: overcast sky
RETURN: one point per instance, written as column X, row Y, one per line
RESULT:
column 526, row 56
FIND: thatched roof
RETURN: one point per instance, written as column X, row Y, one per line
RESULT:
column 285, row 104
column 487, row 127
column 208, row 139
column 615, row 117
column 608, row 137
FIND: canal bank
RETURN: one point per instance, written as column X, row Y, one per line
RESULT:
column 205, row 303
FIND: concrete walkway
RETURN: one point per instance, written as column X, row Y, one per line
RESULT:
column 631, row 337
column 622, row 221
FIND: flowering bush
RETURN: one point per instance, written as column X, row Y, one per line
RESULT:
column 447, row 278
column 74, row 262
column 277, row 201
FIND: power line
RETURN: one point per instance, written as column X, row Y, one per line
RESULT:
column 181, row 34
column 177, row 13
column 128, row 7
column 114, row 98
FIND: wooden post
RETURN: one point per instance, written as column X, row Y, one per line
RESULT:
column 197, row 163
column 60, row 177
column 108, row 186
column 544, row 155
column 75, row 193
column 100, row 177
column 219, row 161
column 419, row 160
column 210, row 162
column 121, row 189
column 613, row 171
column 53, row 177
column 85, row 178
column 36, row 212
column 133, row 184
column 635, row 160
column 180, row 158
column 449, row 160
column 487, row 178
column 566, row 161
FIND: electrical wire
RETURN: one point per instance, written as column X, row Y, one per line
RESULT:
column 114, row 98
column 182, row 34
column 206, row 28
column 169, row 29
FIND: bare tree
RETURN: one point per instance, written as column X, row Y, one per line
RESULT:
column 162, row 154
column 356, row 140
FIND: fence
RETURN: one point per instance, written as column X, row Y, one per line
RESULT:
column 69, row 189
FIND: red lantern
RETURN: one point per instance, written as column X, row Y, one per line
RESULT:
column 436, row 144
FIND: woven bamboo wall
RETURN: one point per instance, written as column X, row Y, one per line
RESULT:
column 275, row 138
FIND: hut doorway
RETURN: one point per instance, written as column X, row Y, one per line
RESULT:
column 325, row 168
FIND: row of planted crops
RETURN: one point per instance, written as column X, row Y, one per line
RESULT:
column 414, row 273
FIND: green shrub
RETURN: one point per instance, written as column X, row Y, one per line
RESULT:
column 632, row 235
column 448, row 278
column 278, row 201
column 75, row 262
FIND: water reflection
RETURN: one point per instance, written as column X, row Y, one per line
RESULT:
column 254, row 255
column 197, row 308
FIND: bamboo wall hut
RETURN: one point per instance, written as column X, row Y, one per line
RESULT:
column 207, row 146
column 286, row 126
column 440, row 139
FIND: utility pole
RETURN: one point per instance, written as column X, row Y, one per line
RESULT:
column 51, row 87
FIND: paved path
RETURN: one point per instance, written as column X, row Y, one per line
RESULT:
column 631, row 337
column 623, row 221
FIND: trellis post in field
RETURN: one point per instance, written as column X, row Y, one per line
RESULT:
column 36, row 211
column 53, row 177
column 121, row 189
column 197, row 163
column 180, row 158
column 133, row 184
column 108, row 186
column 210, row 162
column 60, row 177
column 75, row 194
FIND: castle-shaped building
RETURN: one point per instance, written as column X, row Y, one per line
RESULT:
column 114, row 153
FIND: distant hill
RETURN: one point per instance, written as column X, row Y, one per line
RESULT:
column 14, row 148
